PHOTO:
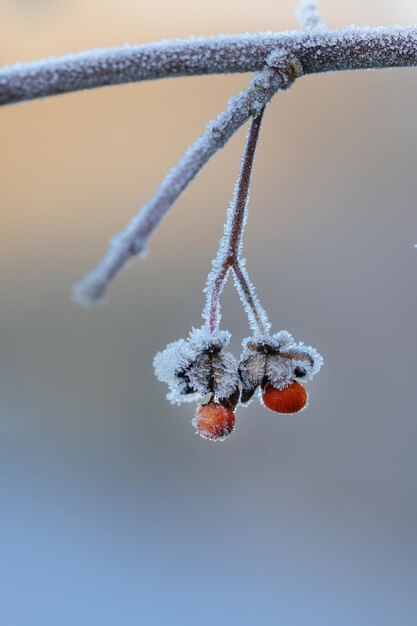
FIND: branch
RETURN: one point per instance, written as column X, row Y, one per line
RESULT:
column 308, row 15
column 279, row 59
column 279, row 73
column 317, row 50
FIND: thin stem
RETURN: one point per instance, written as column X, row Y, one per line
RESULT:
column 258, row 318
column 240, row 209
column 214, row 297
column 231, row 243
column 280, row 75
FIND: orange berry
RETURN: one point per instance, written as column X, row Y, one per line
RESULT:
column 214, row 421
column 289, row 400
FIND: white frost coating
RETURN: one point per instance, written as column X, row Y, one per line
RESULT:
column 132, row 240
column 315, row 51
column 201, row 339
column 308, row 15
column 198, row 366
column 217, row 279
column 345, row 49
column 231, row 243
column 257, row 316
column 277, row 360
column 213, row 282
column 279, row 372
column 306, row 358
column 169, row 364
column 282, row 340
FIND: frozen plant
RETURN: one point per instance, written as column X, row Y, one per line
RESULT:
column 277, row 59
column 199, row 368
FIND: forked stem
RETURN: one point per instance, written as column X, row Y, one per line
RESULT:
column 228, row 255
column 258, row 319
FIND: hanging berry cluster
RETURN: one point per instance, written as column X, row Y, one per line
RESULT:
column 200, row 368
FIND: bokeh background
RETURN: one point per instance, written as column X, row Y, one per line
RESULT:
column 112, row 511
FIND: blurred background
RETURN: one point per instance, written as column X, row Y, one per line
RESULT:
column 112, row 511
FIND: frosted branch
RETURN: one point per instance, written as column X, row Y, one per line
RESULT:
column 279, row 73
column 309, row 16
column 277, row 58
column 318, row 51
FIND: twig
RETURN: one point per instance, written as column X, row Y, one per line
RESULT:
column 279, row 73
column 318, row 51
column 279, row 59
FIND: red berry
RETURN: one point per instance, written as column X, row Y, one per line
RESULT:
column 289, row 400
column 214, row 421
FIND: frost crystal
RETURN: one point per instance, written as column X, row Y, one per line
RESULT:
column 199, row 366
column 277, row 360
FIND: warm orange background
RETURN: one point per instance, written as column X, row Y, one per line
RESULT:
column 114, row 512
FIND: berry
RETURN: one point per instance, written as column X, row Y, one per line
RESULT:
column 214, row 421
column 289, row 400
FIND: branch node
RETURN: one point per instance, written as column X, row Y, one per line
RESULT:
column 286, row 65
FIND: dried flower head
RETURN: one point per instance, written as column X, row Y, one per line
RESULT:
column 276, row 360
column 198, row 366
